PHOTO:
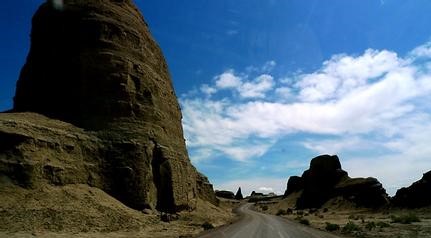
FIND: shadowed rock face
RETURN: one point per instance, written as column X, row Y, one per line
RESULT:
column 324, row 173
column 417, row 195
column 94, row 64
column 364, row 192
column 294, row 184
column 225, row 194
column 325, row 179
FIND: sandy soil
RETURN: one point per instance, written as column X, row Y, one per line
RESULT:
column 83, row 211
column 371, row 223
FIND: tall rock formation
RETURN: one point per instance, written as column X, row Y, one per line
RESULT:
column 416, row 195
column 238, row 195
column 325, row 179
column 95, row 65
column 324, row 173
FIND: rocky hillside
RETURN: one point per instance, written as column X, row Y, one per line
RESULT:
column 325, row 180
column 95, row 105
column 416, row 195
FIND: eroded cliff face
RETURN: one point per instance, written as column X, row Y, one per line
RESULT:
column 95, row 65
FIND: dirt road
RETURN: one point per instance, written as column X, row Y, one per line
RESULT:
column 256, row 224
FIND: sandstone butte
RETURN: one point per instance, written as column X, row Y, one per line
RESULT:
column 95, row 105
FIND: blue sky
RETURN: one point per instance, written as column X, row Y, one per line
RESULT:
column 265, row 85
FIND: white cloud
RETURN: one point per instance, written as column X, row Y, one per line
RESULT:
column 244, row 152
column 257, row 88
column 265, row 190
column 342, row 74
column 205, row 88
column 207, row 127
column 284, row 93
column 269, row 66
column 335, row 146
column 228, row 79
column 422, row 51
column 374, row 100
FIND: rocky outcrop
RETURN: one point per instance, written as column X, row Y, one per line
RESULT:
column 35, row 150
column 238, row 195
column 325, row 179
column 324, row 173
column 225, row 194
column 205, row 189
column 364, row 192
column 112, row 117
column 294, row 184
column 416, row 195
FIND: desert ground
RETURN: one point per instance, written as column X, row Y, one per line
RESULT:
column 83, row 211
column 346, row 220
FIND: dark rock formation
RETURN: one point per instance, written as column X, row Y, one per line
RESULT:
column 415, row 196
column 324, row 173
column 294, row 184
column 225, row 194
column 238, row 195
column 325, row 179
column 254, row 194
column 364, row 192
column 95, row 65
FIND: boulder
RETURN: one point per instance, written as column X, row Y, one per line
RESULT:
column 416, row 195
column 111, row 117
column 225, row 194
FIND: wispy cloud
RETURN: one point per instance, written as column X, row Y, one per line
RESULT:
column 239, row 84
